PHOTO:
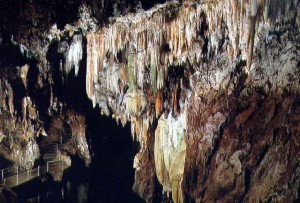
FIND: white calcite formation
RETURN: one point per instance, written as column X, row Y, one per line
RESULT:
column 210, row 89
column 169, row 152
column 74, row 55
column 136, row 50
column 128, row 62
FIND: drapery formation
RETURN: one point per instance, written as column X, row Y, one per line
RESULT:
column 129, row 61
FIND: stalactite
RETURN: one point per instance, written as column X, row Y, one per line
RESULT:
column 24, row 110
column 23, row 72
column 32, row 112
column 129, row 59
column 153, row 74
column 175, row 100
column 251, row 32
column 131, row 72
column 135, row 102
column 134, row 42
column 160, row 79
column 250, row 41
column 74, row 55
column 10, row 99
column 151, row 41
column 159, row 102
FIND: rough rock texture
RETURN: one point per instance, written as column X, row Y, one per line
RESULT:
column 77, row 124
column 240, row 60
column 19, row 126
column 210, row 88
column 32, row 117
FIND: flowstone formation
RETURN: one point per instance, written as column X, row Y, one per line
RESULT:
column 210, row 89
column 203, row 74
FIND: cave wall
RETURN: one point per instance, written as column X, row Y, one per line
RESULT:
column 242, row 55
column 210, row 89
column 220, row 67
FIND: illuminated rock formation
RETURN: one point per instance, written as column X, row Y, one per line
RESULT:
column 210, row 89
column 18, row 133
column 128, row 75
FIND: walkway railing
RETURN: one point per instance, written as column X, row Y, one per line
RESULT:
column 16, row 175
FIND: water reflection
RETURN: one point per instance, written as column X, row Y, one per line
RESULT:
column 79, row 185
column 109, row 178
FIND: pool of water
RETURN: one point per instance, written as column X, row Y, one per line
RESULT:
column 80, row 184
column 109, row 177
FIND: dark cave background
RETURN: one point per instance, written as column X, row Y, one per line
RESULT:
column 110, row 176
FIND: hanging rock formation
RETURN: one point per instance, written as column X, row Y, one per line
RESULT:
column 238, row 59
column 210, row 89
column 203, row 73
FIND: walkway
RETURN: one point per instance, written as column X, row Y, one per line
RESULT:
column 16, row 175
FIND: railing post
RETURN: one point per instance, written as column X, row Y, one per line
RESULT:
column 60, row 140
column 47, row 166
column 38, row 170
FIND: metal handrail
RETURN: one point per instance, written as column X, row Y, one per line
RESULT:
column 18, row 171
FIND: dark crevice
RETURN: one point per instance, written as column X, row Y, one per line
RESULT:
column 202, row 194
column 247, row 182
column 247, row 179
column 188, row 199
column 262, row 155
column 166, row 48
column 14, row 54
column 202, row 33
column 149, row 4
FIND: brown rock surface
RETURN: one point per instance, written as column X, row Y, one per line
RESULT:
column 210, row 89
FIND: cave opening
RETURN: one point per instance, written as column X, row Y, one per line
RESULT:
column 110, row 175
column 113, row 151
